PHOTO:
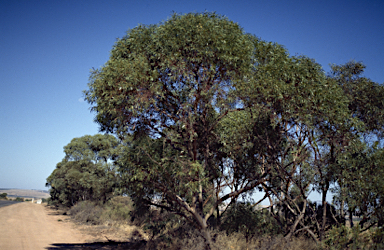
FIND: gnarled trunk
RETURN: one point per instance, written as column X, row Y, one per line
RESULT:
column 207, row 238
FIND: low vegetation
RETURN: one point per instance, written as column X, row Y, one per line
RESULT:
column 243, row 227
column 116, row 210
column 162, row 230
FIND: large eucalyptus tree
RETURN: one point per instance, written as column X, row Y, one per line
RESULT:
column 210, row 112
column 173, row 81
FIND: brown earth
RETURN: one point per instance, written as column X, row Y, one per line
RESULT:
column 32, row 226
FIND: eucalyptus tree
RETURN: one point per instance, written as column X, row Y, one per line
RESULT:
column 359, row 176
column 365, row 96
column 366, row 186
column 87, row 171
column 172, row 81
column 303, row 109
column 209, row 113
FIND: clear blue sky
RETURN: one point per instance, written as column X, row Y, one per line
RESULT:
column 47, row 49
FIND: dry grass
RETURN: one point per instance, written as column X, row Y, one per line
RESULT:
column 238, row 242
column 109, row 222
column 235, row 241
column 115, row 233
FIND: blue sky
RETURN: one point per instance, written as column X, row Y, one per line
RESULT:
column 47, row 49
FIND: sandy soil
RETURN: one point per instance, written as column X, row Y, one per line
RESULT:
column 32, row 226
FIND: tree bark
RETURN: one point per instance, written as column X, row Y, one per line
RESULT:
column 350, row 218
column 207, row 238
column 342, row 211
column 298, row 219
column 324, row 219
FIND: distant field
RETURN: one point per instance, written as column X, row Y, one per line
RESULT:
column 25, row 193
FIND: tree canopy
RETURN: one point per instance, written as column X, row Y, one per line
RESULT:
column 87, row 171
column 209, row 113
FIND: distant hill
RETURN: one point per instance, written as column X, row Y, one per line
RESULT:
column 25, row 193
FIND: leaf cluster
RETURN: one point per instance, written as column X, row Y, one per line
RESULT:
column 87, row 171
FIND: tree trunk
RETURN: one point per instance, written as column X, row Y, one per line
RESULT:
column 202, row 222
column 350, row 218
column 298, row 219
column 324, row 219
column 218, row 216
column 342, row 211
column 207, row 238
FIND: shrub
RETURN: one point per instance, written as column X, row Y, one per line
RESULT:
column 378, row 238
column 237, row 241
column 344, row 237
column 192, row 240
column 119, row 209
column 164, row 225
column 19, row 199
column 245, row 219
column 86, row 212
column 221, row 240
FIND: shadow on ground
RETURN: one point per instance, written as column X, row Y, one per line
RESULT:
column 99, row 245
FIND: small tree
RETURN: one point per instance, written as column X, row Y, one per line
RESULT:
column 87, row 172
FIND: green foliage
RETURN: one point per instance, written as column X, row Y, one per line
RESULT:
column 3, row 196
column 87, row 171
column 87, row 212
column 344, row 237
column 363, row 186
column 245, row 219
column 173, row 67
column 19, row 199
column 119, row 208
column 360, row 167
column 234, row 241
column 208, row 113
column 165, row 226
column 172, row 82
column 378, row 238
column 177, row 81
column 365, row 96
column 116, row 211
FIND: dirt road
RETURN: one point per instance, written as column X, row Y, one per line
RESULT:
column 34, row 226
